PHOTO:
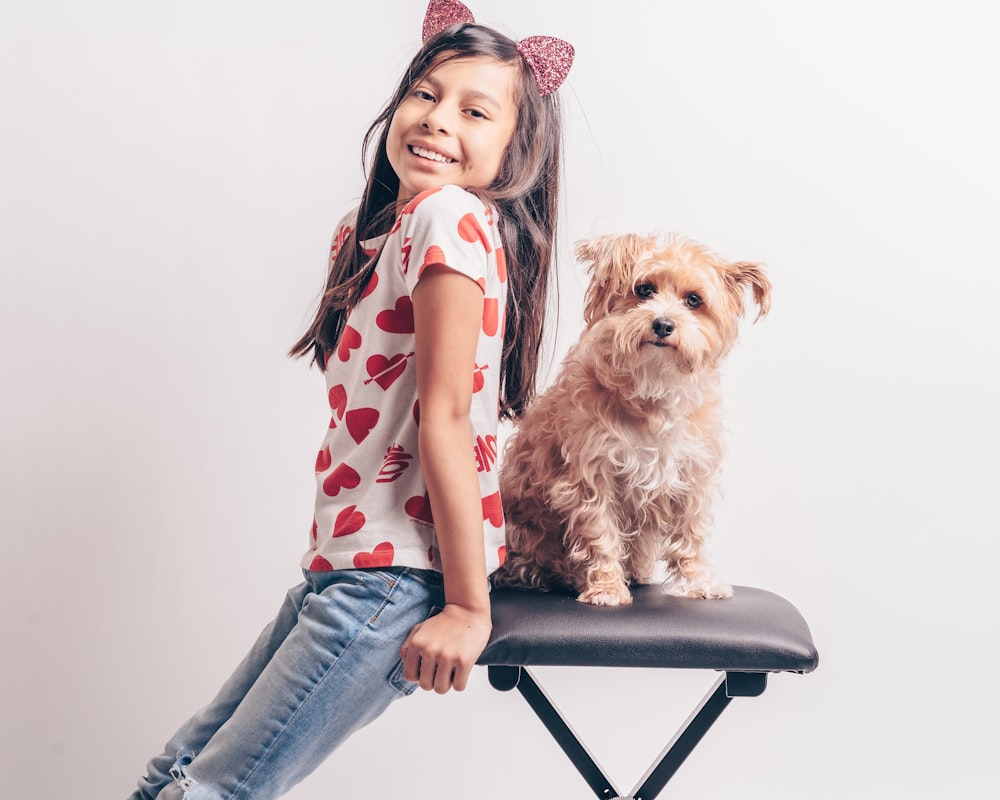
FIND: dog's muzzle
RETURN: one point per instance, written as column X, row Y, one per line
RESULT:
column 663, row 327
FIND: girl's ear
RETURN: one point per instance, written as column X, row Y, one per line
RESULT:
column 611, row 261
column 742, row 274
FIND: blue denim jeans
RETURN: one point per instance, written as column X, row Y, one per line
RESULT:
column 327, row 665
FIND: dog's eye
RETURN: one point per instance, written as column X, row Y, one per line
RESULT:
column 645, row 290
column 692, row 300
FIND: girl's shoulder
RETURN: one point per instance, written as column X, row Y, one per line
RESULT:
column 348, row 222
column 448, row 225
column 447, row 200
column 449, row 215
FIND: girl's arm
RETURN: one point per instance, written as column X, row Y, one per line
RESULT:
column 447, row 312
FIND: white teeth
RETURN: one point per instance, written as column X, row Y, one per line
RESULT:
column 424, row 153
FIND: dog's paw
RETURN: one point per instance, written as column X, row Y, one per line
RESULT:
column 698, row 589
column 606, row 595
column 716, row 591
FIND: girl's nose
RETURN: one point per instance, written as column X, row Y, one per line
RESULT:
column 434, row 121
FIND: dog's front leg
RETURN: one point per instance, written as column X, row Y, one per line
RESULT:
column 594, row 556
column 688, row 571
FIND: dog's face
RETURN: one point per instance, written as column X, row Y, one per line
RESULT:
column 667, row 302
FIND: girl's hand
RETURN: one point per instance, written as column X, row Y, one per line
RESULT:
column 440, row 652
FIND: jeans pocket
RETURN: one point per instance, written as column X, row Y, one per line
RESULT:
column 399, row 683
column 396, row 679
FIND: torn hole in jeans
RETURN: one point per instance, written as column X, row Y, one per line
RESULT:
column 179, row 775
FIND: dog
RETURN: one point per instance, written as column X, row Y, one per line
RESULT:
column 609, row 475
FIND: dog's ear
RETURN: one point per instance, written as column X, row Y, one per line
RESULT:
column 611, row 261
column 742, row 274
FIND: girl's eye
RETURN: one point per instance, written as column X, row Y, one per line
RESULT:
column 692, row 300
column 644, row 290
column 423, row 95
column 476, row 113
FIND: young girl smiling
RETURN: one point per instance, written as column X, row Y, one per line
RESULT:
column 428, row 332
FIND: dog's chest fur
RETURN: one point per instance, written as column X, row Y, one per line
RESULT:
column 647, row 454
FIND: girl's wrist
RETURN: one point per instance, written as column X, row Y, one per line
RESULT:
column 473, row 608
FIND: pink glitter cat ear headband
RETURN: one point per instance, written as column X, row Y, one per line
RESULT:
column 548, row 58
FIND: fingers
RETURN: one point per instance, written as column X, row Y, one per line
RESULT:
column 434, row 674
column 411, row 661
column 440, row 652
column 432, row 669
column 460, row 678
column 442, row 679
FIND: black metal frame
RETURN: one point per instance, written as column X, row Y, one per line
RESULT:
column 729, row 685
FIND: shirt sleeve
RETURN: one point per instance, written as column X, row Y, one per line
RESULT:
column 341, row 232
column 447, row 226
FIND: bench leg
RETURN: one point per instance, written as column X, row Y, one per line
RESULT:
column 728, row 686
column 507, row 678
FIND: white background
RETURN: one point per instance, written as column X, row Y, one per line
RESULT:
column 169, row 177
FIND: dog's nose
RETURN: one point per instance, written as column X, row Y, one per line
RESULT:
column 663, row 327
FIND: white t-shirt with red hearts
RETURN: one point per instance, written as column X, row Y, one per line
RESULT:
column 372, row 508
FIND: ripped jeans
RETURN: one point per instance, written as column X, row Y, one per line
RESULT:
column 327, row 665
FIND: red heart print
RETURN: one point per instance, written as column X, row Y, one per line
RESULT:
column 470, row 230
column 350, row 340
column 384, row 371
column 416, row 412
column 360, row 422
column 324, row 459
column 493, row 510
column 420, row 509
column 343, row 477
column 312, row 533
column 338, row 241
column 501, row 265
column 398, row 319
column 381, row 556
column 349, row 521
column 410, row 207
column 433, row 255
column 502, row 553
column 405, row 253
column 337, row 397
column 370, row 286
column 320, row 564
column 478, row 379
column 491, row 316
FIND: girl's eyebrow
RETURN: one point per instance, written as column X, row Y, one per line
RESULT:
column 474, row 94
column 488, row 99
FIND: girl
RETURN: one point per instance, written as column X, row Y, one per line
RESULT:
column 428, row 332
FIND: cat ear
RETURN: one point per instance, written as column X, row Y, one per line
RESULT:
column 443, row 14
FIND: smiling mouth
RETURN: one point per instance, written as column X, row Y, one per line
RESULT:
column 661, row 344
column 430, row 155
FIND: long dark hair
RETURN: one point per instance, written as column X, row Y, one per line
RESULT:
column 525, row 193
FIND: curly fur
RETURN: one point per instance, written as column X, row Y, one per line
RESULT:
column 612, row 469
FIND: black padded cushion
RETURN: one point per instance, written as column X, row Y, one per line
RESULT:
column 753, row 631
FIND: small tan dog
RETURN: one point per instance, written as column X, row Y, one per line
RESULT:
column 612, row 469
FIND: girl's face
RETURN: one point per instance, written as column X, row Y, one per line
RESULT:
column 453, row 126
